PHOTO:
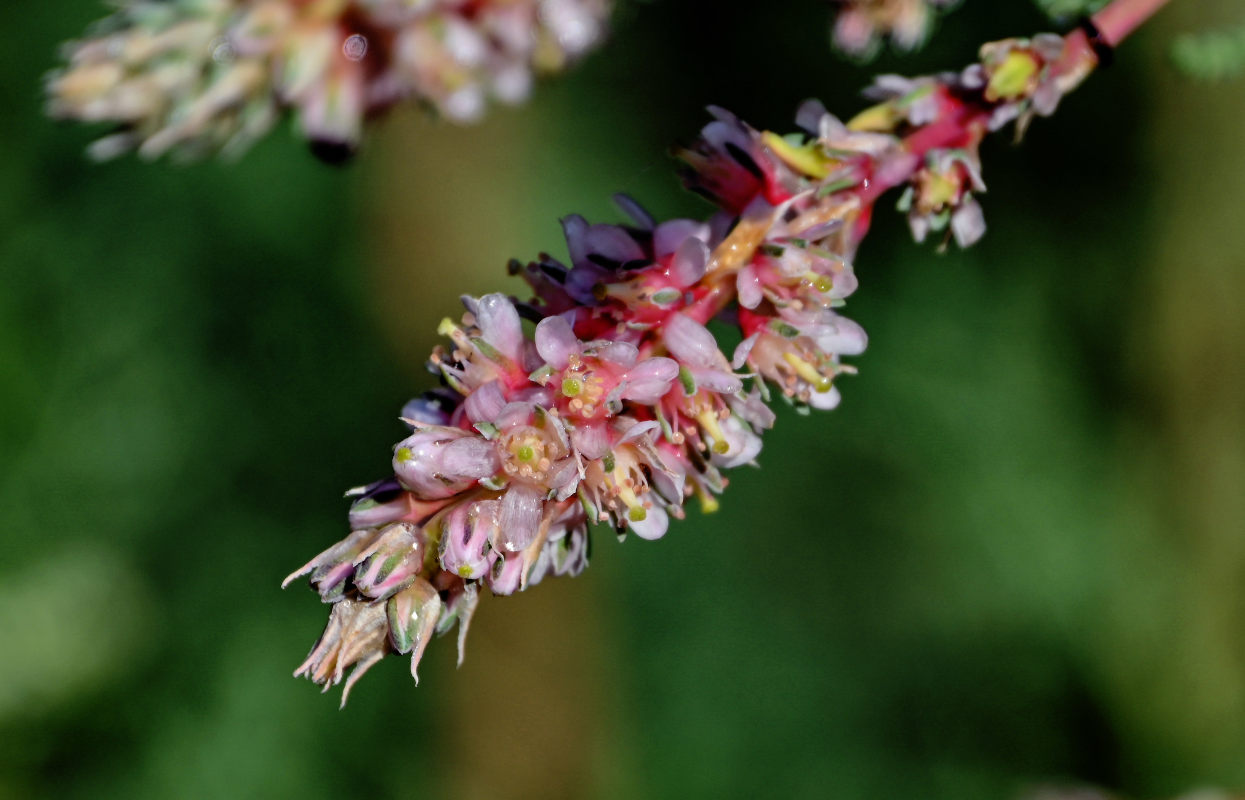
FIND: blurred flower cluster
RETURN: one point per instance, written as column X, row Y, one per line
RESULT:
column 195, row 77
column 861, row 25
column 616, row 405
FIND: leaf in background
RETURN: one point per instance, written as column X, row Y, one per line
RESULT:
column 1064, row 9
column 1211, row 55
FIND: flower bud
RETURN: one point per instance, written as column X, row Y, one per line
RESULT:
column 413, row 614
column 391, row 563
column 506, row 575
column 437, row 462
column 331, row 569
column 379, row 504
column 465, row 535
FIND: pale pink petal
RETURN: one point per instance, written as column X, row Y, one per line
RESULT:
column 485, row 403
column 689, row 261
column 556, row 341
column 748, row 285
column 499, row 325
column 691, row 342
column 521, row 509
column 591, row 439
column 653, row 526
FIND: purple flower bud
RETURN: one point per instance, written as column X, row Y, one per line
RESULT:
column 465, row 536
column 440, row 462
column 412, row 615
column 391, row 563
column 427, row 410
column 609, row 246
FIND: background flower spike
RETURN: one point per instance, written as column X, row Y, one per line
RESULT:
column 190, row 78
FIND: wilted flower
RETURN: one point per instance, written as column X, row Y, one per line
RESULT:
column 621, row 406
column 200, row 76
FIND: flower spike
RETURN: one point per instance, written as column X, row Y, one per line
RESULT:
column 621, row 407
column 194, row 77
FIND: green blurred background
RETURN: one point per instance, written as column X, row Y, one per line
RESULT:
column 1014, row 556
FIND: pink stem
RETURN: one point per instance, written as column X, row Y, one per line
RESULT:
column 1119, row 19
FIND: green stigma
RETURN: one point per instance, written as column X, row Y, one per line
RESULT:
column 572, row 387
column 721, row 447
column 637, row 514
column 403, row 454
column 525, row 453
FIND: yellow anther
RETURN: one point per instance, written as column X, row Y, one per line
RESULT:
column 807, row 158
column 880, row 118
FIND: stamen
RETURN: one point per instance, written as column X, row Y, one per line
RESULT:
column 808, row 372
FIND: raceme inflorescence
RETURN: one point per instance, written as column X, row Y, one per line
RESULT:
column 605, row 399
column 196, row 77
